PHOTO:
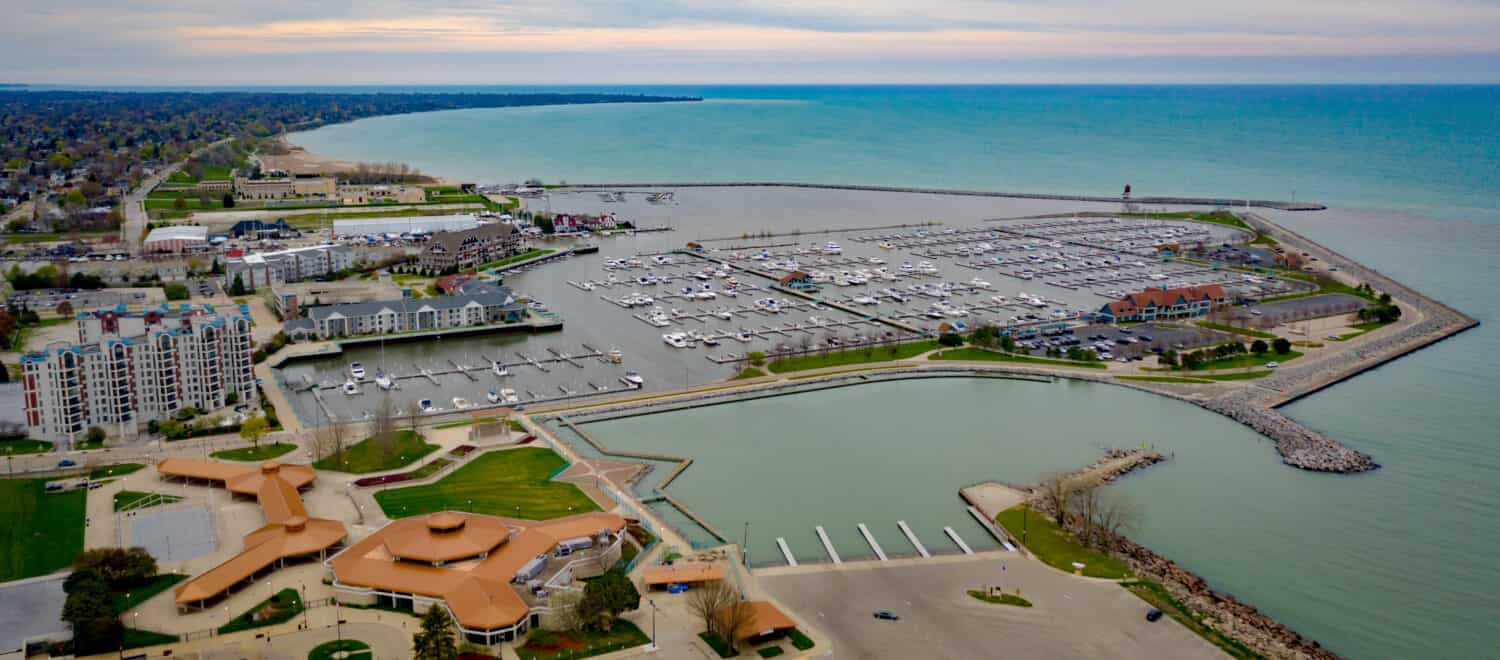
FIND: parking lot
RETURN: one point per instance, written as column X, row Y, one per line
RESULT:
column 1071, row 617
column 31, row 612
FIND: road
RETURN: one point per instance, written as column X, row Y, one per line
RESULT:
column 135, row 203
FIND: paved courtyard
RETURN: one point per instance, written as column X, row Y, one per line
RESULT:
column 1071, row 618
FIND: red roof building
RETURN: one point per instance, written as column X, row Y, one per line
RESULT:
column 1152, row 304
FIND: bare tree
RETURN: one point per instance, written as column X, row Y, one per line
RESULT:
column 564, row 609
column 1101, row 515
column 735, row 620
column 1056, row 493
column 706, row 601
column 1117, row 516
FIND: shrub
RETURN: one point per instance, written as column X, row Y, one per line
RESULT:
column 717, row 643
column 769, row 651
column 950, row 340
column 799, row 640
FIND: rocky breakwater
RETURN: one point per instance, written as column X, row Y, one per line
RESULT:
column 1221, row 611
column 1298, row 445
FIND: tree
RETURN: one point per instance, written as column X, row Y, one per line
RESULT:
column 1167, row 359
column 605, row 597
column 385, row 422
column 180, row 203
column 96, row 628
column 1056, row 494
column 950, row 340
column 176, row 291
column 734, row 620
column 95, row 435
column 118, row 567
column 1259, row 347
column 65, row 308
column 706, row 601
column 756, row 358
column 1281, row 346
column 237, row 287
column 253, row 429
column 564, row 605
column 1007, row 343
column 228, row 200
column 231, row 398
column 435, row 640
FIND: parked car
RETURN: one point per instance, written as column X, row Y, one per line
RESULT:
column 66, row 463
column 676, row 588
column 1272, row 365
column 886, row 615
column 1153, row 614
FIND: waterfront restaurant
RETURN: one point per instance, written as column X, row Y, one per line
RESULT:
column 496, row 576
column 1152, row 304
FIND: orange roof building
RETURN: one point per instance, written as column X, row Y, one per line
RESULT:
column 661, row 577
column 1153, row 304
column 490, row 572
column 766, row 621
column 288, row 533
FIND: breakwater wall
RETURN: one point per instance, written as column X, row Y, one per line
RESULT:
column 1192, row 201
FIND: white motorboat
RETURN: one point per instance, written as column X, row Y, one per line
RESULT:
column 633, row 377
column 979, row 283
column 350, row 388
column 509, row 396
column 499, row 369
column 999, row 299
column 615, row 355
column 709, row 340
column 887, row 245
column 743, row 336
column 461, row 403
column 865, row 300
column 384, row 381
column 492, row 396
column 675, row 339
column 357, row 370
column 426, row 406
column 586, row 286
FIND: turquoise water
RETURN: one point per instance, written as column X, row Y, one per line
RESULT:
column 1395, row 563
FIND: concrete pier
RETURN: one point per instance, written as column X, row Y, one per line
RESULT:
column 990, row 527
column 828, row 545
column 869, row 538
column 913, row 538
column 786, row 552
column 961, row 545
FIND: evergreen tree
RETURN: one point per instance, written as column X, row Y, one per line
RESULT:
column 435, row 640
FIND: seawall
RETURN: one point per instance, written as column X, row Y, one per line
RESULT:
column 1195, row 201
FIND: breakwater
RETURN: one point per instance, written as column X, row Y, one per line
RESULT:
column 1194, row 201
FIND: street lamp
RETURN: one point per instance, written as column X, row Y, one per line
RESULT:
column 652, row 602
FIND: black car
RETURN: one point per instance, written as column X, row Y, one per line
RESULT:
column 892, row 616
column 1153, row 614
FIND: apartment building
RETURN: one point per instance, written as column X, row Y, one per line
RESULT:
column 483, row 305
column 128, row 368
column 460, row 250
column 264, row 269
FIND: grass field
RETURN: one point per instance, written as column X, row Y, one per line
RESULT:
column 261, row 453
column 496, row 483
column 1247, row 360
column 39, row 532
column 982, row 355
column 126, row 498
column 1235, row 331
column 1056, row 547
column 1002, row 599
column 1216, row 217
column 852, row 356
column 1241, row 375
column 547, row 645
column 1162, row 379
column 369, row 456
column 122, row 602
column 23, row 446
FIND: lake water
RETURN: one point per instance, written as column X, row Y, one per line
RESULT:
column 1395, row 563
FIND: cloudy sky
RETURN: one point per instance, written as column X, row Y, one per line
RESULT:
column 160, row 42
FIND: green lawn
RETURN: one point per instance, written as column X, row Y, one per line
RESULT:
column 748, row 373
column 39, row 532
column 1241, row 375
column 532, row 254
column 369, row 456
column 1056, row 547
column 117, row 470
column 852, row 356
column 47, row 237
column 352, row 649
column 1247, row 360
column 1216, row 217
column 982, row 355
column 127, row 498
column 496, row 483
column 279, row 608
column 135, row 638
column 261, row 453
column 1002, row 599
column 1158, row 597
column 23, row 446
column 1162, row 379
column 547, row 645
column 1235, row 331
column 123, row 602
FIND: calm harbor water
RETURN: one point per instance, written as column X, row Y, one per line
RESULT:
column 1396, row 563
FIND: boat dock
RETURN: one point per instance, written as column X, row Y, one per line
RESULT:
column 828, row 545
column 870, row 538
column 786, row 552
column 911, row 536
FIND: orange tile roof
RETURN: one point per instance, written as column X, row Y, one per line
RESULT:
column 477, row 591
column 1132, row 302
column 765, row 618
column 288, row 532
column 699, row 572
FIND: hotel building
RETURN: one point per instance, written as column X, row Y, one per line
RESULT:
column 264, row 269
column 450, row 252
column 128, row 368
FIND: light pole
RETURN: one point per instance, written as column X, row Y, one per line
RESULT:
column 745, row 546
column 652, row 602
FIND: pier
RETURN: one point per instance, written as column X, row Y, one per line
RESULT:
column 828, row 545
column 786, row 552
column 961, row 545
column 915, row 543
column 870, row 538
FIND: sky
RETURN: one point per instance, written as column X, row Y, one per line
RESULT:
column 333, row 42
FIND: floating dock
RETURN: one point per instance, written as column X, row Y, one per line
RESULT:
column 961, row 545
column 786, row 552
